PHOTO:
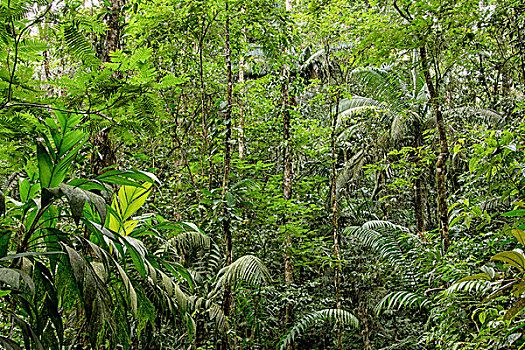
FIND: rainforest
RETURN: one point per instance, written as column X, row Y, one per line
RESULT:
column 265, row 174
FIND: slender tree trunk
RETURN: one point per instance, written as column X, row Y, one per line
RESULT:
column 333, row 194
column 104, row 154
column 441, row 164
column 287, row 195
column 226, row 221
column 206, row 151
column 419, row 183
column 240, row 136
column 287, row 185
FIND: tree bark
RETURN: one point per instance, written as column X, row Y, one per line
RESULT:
column 441, row 164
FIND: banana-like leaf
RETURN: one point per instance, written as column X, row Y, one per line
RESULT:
column 78, row 197
column 12, row 277
column 128, row 200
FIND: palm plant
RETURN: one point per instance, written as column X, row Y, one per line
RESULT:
column 404, row 112
column 61, row 244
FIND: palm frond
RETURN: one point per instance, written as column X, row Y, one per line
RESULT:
column 350, row 170
column 351, row 107
column 333, row 316
column 382, row 85
column 478, row 287
column 484, row 115
column 402, row 299
column 386, row 246
column 248, row 269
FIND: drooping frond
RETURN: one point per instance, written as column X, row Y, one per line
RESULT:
column 402, row 300
column 484, row 115
column 382, row 85
column 215, row 313
column 478, row 287
column 386, row 246
column 333, row 316
column 248, row 269
column 187, row 241
column 380, row 225
column 350, row 107
column 350, row 170
column 78, row 44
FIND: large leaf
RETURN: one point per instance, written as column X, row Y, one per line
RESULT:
column 513, row 258
column 2, row 203
column 9, row 344
column 78, row 197
column 5, row 235
column 45, row 165
column 128, row 200
column 520, row 235
column 13, row 277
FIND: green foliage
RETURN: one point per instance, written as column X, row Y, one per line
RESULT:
column 338, row 317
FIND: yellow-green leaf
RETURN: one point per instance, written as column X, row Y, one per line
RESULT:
column 128, row 200
column 512, row 258
column 520, row 235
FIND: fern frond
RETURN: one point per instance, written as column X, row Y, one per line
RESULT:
column 333, row 316
column 78, row 45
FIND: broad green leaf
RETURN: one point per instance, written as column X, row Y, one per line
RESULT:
column 128, row 200
column 512, row 258
column 5, row 235
column 24, row 187
column 70, row 140
column 78, row 197
column 137, row 252
column 518, row 212
column 62, row 167
column 45, row 165
column 2, row 203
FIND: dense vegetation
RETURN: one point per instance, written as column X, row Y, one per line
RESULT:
column 194, row 174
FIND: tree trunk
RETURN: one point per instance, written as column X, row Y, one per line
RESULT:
column 226, row 221
column 441, row 164
column 419, row 182
column 287, row 186
column 333, row 194
column 104, row 153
